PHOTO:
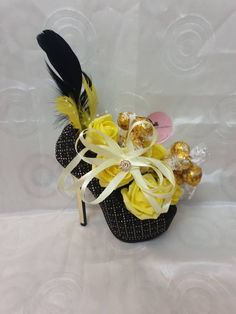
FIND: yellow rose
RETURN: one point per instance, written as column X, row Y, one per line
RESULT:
column 108, row 174
column 136, row 202
column 157, row 151
column 177, row 195
column 105, row 125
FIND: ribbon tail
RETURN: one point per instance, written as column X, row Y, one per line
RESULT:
column 66, row 172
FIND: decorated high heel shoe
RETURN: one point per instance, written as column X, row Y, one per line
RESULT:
column 135, row 180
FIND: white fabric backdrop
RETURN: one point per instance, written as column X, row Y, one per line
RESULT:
column 177, row 56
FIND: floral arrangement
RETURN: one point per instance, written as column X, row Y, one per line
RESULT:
column 134, row 178
column 153, row 159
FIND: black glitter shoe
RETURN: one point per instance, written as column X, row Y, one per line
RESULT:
column 123, row 224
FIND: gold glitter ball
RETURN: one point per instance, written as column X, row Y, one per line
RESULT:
column 144, row 129
column 122, row 140
column 183, row 164
column 193, row 175
column 124, row 120
column 137, row 141
column 179, row 177
column 180, row 149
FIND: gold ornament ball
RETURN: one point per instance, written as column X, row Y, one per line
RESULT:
column 183, row 164
column 122, row 140
column 180, row 149
column 179, row 177
column 137, row 141
column 124, row 120
column 144, row 129
column 193, row 175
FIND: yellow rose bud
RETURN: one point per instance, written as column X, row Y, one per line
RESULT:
column 157, row 151
column 105, row 125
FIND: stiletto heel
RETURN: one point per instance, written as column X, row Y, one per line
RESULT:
column 83, row 222
column 82, row 210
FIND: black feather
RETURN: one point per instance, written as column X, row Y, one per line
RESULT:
column 84, row 96
column 64, row 62
column 62, row 86
column 88, row 80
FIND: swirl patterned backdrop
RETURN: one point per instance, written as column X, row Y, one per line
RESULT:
column 144, row 56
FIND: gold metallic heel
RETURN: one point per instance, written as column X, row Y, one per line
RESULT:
column 82, row 210
column 81, row 206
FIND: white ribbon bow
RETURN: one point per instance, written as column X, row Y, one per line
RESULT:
column 114, row 155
